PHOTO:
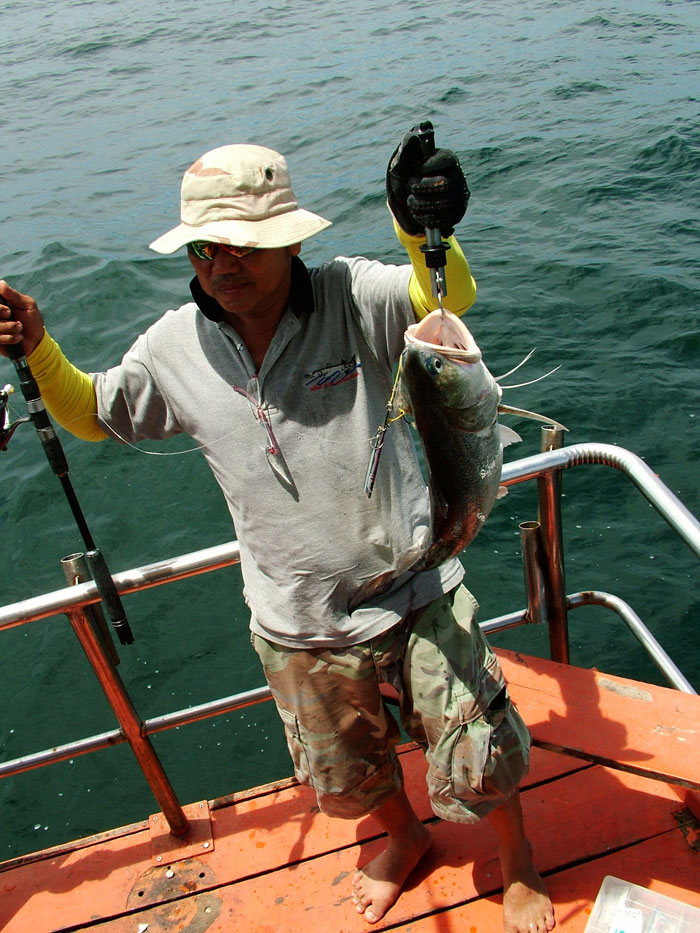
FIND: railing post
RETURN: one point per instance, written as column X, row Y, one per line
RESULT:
column 97, row 649
column 549, row 502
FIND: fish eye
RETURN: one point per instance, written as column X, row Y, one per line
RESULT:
column 437, row 364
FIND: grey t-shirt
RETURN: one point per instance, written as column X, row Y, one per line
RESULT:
column 308, row 540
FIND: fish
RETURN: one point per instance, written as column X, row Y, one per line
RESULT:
column 454, row 401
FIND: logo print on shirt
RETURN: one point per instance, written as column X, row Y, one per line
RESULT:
column 333, row 374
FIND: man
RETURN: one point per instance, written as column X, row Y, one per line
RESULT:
column 282, row 375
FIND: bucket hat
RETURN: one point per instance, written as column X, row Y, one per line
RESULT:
column 241, row 195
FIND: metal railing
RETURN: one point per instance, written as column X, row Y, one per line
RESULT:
column 544, row 583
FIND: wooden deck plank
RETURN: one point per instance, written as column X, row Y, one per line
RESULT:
column 573, row 893
column 574, row 890
column 462, row 866
column 610, row 720
column 258, row 833
column 605, row 718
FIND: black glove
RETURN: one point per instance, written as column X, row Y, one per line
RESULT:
column 425, row 192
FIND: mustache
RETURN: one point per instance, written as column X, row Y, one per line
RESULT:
column 221, row 278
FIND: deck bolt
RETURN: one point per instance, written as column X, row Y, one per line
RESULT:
column 159, row 858
column 205, row 845
column 170, row 873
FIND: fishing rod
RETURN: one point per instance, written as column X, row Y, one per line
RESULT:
column 58, row 463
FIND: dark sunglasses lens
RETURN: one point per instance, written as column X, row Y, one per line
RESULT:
column 206, row 250
column 237, row 251
column 202, row 249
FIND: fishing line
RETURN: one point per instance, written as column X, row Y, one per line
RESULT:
column 150, row 453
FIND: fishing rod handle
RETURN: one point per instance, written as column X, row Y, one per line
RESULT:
column 15, row 351
column 38, row 413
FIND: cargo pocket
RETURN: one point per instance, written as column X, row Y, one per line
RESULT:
column 481, row 757
column 471, row 745
column 295, row 744
column 471, row 752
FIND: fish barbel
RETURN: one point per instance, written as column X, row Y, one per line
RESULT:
column 454, row 400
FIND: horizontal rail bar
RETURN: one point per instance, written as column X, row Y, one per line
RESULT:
column 52, row 756
column 228, row 554
column 652, row 488
column 185, row 717
column 225, row 555
column 103, row 740
column 658, row 655
column 230, row 704
column 608, row 601
column 129, row 581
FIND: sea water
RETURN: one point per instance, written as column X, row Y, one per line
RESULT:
column 577, row 126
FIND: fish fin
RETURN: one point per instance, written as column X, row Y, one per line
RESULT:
column 502, row 492
column 523, row 413
column 508, row 436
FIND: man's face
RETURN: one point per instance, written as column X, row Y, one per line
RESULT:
column 252, row 286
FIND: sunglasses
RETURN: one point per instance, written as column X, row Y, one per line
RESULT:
column 203, row 249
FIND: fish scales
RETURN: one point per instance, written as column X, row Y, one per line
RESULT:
column 453, row 399
column 454, row 403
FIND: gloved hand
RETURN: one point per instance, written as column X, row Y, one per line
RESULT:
column 428, row 192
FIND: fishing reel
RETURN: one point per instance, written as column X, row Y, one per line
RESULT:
column 8, row 428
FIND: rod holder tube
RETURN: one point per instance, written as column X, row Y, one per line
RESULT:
column 549, row 513
column 535, row 586
column 129, row 720
column 76, row 570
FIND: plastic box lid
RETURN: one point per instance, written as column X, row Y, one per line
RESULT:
column 623, row 907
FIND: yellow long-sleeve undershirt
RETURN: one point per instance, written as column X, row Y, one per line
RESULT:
column 69, row 394
column 67, row 391
column 461, row 287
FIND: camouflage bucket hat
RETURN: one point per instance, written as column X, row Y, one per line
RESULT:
column 241, row 195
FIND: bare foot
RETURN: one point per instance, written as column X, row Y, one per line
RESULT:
column 376, row 886
column 526, row 904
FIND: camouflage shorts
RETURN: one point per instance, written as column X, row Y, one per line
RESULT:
column 452, row 701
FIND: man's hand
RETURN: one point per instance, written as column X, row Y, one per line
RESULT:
column 425, row 192
column 20, row 319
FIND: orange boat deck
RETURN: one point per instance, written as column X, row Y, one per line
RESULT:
column 613, row 790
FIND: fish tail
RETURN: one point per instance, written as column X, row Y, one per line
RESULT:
column 372, row 589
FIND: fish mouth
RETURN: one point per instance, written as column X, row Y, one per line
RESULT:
column 445, row 333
